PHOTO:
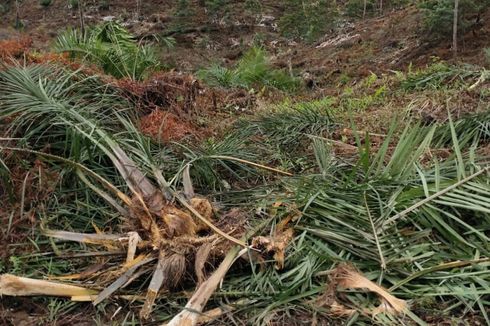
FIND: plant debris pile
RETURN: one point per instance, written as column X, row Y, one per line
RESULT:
column 160, row 199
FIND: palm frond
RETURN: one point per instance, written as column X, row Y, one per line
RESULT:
column 111, row 47
column 252, row 70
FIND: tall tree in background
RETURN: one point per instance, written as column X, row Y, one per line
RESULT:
column 446, row 18
column 455, row 27
column 81, row 14
column 138, row 9
column 17, row 15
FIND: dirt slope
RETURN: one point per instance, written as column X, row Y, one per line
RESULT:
column 390, row 42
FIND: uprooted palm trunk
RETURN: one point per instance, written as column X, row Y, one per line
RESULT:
column 166, row 232
column 170, row 230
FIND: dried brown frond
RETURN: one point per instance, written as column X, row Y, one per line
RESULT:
column 347, row 277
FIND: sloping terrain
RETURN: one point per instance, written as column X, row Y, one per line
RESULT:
column 186, row 168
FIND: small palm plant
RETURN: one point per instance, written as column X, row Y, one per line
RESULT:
column 253, row 69
column 111, row 47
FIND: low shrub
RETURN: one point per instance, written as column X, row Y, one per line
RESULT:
column 439, row 14
column 45, row 3
column 111, row 47
column 307, row 19
column 253, row 70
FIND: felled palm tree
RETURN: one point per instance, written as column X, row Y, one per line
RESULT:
column 49, row 105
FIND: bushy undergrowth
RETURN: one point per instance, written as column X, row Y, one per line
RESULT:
column 439, row 14
column 111, row 47
column 307, row 20
column 252, row 70
column 45, row 3
column 438, row 75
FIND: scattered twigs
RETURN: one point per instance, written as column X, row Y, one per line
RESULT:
column 123, row 279
column 194, row 307
column 190, row 315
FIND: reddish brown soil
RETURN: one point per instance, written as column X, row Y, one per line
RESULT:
column 165, row 126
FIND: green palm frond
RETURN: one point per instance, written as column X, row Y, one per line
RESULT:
column 288, row 125
column 252, row 70
column 111, row 47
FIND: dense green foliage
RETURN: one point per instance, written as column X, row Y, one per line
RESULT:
column 308, row 19
column 45, row 3
column 252, row 70
column 439, row 14
column 112, row 48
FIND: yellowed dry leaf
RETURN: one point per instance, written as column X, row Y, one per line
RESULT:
column 90, row 271
column 133, row 240
column 84, row 298
column 22, row 286
column 278, row 243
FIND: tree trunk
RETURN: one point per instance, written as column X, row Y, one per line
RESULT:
column 82, row 19
column 455, row 27
column 17, row 15
column 364, row 10
column 138, row 9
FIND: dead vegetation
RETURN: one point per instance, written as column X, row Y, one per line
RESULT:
column 167, row 201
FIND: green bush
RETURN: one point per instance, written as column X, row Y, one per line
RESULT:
column 104, row 5
column 438, row 15
column 487, row 54
column 355, row 8
column 216, row 8
column 182, row 16
column 253, row 69
column 253, row 6
column 307, row 19
column 4, row 8
column 45, row 3
column 73, row 4
column 111, row 47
